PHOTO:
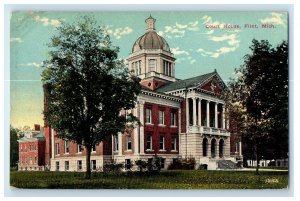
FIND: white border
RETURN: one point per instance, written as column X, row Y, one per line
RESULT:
column 124, row 193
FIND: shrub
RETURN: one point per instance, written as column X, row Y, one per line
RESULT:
column 183, row 164
column 113, row 167
column 141, row 165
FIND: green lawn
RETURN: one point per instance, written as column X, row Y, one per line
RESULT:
column 176, row 179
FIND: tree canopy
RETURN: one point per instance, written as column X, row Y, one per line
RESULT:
column 86, row 85
column 258, row 99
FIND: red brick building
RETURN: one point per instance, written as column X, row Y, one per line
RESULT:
column 179, row 118
column 32, row 150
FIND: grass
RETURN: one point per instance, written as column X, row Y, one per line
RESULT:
column 175, row 179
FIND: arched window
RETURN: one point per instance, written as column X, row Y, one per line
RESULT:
column 213, row 148
column 221, row 148
column 204, row 145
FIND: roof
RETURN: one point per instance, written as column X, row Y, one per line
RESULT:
column 187, row 83
column 150, row 40
column 40, row 136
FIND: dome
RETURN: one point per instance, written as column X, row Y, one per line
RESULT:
column 150, row 40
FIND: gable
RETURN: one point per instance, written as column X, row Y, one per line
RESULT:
column 212, row 85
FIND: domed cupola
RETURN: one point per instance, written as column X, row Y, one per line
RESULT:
column 151, row 55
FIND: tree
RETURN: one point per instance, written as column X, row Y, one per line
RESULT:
column 258, row 100
column 14, row 146
column 86, row 86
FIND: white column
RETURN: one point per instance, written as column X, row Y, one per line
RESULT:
column 120, row 146
column 223, row 116
column 135, row 133
column 179, row 130
column 52, row 144
column 216, row 115
column 199, row 111
column 207, row 113
column 187, row 114
column 194, row 112
column 142, row 127
column 227, row 123
column 240, row 146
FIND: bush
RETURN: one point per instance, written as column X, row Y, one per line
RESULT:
column 141, row 165
column 113, row 167
column 183, row 164
column 203, row 167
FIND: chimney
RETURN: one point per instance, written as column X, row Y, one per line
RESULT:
column 37, row 127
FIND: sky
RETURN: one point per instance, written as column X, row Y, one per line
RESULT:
column 199, row 40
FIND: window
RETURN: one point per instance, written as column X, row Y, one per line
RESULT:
column 94, row 148
column 116, row 143
column 161, row 117
column 161, row 142
column 152, row 65
column 127, row 164
column 128, row 142
column 149, row 142
column 173, row 119
column 93, row 164
column 162, row 163
column 35, row 160
column 67, row 146
column 167, row 68
column 148, row 116
column 56, row 148
column 79, row 165
column 79, row 148
column 173, row 144
column 57, row 165
column 66, row 165
column 140, row 67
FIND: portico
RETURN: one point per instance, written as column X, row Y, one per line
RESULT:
column 205, row 116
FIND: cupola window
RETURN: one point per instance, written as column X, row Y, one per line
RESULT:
column 152, row 65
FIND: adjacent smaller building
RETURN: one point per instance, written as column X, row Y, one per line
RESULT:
column 32, row 150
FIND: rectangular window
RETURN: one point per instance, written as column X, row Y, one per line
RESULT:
column 127, row 164
column 149, row 142
column 173, row 119
column 67, row 146
column 93, row 164
column 161, row 117
column 79, row 165
column 152, row 65
column 66, row 165
column 128, row 142
column 79, row 148
column 116, row 143
column 173, row 144
column 140, row 67
column 162, row 163
column 57, row 165
column 94, row 148
column 56, row 148
column 161, row 142
column 148, row 116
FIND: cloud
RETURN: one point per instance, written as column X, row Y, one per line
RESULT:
column 208, row 20
column 276, row 18
column 119, row 32
column 188, row 59
column 231, row 40
column 177, row 51
column 46, row 21
column 179, row 30
column 209, row 32
column 160, row 33
column 35, row 64
column 16, row 40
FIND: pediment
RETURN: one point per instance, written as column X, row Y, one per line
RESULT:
column 213, row 85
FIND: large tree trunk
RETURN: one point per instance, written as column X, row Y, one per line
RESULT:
column 257, row 160
column 88, row 162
